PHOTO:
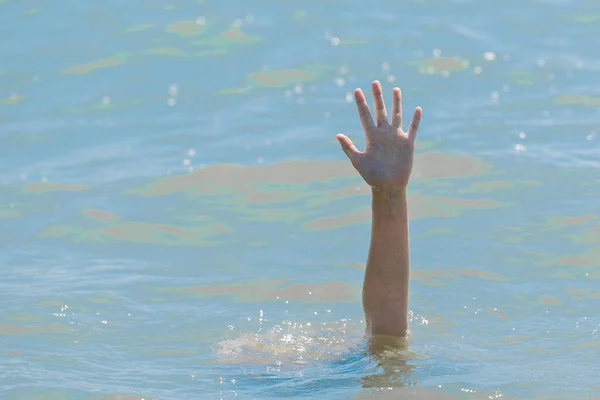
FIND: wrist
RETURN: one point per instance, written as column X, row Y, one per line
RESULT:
column 389, row 191
column 390, row 202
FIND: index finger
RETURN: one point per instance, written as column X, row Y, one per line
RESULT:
column 363, row 110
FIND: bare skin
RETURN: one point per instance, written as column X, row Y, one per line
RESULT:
column 385, row 164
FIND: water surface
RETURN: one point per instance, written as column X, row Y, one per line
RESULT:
column 178, row 221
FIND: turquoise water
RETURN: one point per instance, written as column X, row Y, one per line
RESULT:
column 178, row 221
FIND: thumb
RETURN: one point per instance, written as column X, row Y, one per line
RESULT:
column 348, row 147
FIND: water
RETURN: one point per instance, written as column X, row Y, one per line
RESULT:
column 178, row 221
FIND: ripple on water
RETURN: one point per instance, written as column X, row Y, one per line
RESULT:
column 47, row 187
column 421, row 207
column 139, row 28
column 578, row 99
column 279, row 78
column 99, row 215
column 9, row 211
column 283, row 192
column 113, row 61
column 187, row 28
column 441, row 65
column 141, row 232
column 279, row 289
column 13, row 99
column 230, row 37
column 242, row 178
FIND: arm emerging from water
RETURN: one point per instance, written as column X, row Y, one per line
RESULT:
column 385, row 164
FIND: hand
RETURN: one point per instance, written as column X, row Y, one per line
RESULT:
column 387, row 160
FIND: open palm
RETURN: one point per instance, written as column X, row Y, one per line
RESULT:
column 387, row 159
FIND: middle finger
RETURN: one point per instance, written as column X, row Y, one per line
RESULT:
column 380, row 112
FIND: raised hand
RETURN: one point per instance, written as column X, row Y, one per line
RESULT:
column 387, row 160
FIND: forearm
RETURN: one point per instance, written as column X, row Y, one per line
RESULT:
column 385, row 288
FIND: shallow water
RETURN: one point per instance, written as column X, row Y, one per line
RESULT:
column 178, row 221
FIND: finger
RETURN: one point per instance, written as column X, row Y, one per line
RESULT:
column 414, row 124
column 397, row 108
column 363, row 110
column 380, row 112
column 348, row 147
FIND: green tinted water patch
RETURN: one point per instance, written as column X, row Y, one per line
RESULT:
column 425, row 144
column 211, row 52
column 583, row 18
column 437, row 165
column 357, row 216
column 187, row 28
column 265, row 204
column 105, row 105
column 59, row 231
column 10, row 211
column 332, row 291
column 295, row 190
column 353, row 42
column 27, row 138
column 29, row 329
column 23, row 317
column 431, row 277
column 339, row 193
column 232, row 178
column 33, row 11
column 581, row 294
column 488, row 186
column 103, row 298
column 50, row 303
column 112, row 61
column 171, row 352
column 480, row 274
column 578, row 99
column 12, row 99
column 277, row 289
column 588, row 261
column 282, row 215
column 299, row 15
column 497, row 185
column 48, row 187
column 139, row 28
column 290, row 207
column 272, row 193
column 166, row 51
column 420, row 207
column 440, row 65
column 527, row 77
column 575, row 220
column 279, row 78
column 232, row 289
column 141, row 232
column 588, row 234
column 550, row 301
column 99, row 215
column 231, row 37
column 440, row 230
